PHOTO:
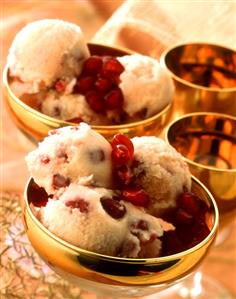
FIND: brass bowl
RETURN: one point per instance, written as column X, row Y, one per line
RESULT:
column 208, row 143
column 204, row 76
column 124, row 276
column 36, row 124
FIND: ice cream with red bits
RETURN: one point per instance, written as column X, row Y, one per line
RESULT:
column 71, row 155
column 51, row 68
column 105, row 197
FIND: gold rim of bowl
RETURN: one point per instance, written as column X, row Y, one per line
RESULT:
column 131, row 260
column 196, row 114
column 163, row 62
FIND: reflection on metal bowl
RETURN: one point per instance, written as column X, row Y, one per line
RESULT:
column 205, row 78
column 208, row 143
column 124, row 276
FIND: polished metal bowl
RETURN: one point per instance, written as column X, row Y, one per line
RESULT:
column 108, row 274
column 204, row 76
column 36, row 124
column 207, row 142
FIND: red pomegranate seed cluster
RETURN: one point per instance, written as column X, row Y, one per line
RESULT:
column 189, row 219
column 99, row 81
column 122, row 159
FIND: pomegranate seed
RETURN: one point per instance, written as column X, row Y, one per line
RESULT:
column 189, row 202
column 103, row 85
column 59, row 181
column 60, row 86
column 112, row 67
column 120, row 155
column 84, row 84
column 122, row 139
column 114, row 99
column 136, row 195
column 44, row 159
column 183, row 217
column 92, row 65
column 76, row 120
column 96, row 156
column 124, row 174
column 95, row 101
column 171, row 243
column 113, row 207
column 38, row 196
column 78, row 203
column 105, row 58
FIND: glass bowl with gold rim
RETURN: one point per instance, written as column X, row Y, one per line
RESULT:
column 204, row 75
column 207, row 142
column 115, row 276
column 36, row 124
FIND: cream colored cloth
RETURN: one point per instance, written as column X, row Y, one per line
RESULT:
column 147, row 26
column 150, row 26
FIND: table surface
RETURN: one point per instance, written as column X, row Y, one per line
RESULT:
column 23, row 274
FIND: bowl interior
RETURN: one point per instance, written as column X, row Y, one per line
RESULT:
column 114, row 270
column 205, row 65
column 209, row 140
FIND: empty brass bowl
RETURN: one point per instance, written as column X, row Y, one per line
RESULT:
column 36, row 124
column 122, row 276
column 204, row 76
column 208, row 143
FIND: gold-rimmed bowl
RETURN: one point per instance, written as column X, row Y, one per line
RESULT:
column 204, row 76
column 36, row 124
column 207, row 142
column 113, row 275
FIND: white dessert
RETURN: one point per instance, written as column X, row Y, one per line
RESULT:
column 45, row 51
column 161, row 171
column 80, row 218
column 146, row 86
column 71, row 155
column 70, row 106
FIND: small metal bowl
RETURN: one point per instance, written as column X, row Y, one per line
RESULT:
column 208, row 143
column 205, row 78
column 36, row 124
column 113, row 275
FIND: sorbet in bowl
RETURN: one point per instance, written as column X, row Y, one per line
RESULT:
column 54, row 78
column 111, row 214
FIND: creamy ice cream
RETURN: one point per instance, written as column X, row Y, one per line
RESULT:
column 71, row 155
column 162, row 173
column 71, row 107
column 106, row 197
column 45, row 51
column 51, row 69
column 99, row 223
column 146, row 86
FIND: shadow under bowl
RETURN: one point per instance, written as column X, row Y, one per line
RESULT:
column 208, row 143
column 36, row 125
column 204, row 76
column 124, row 276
